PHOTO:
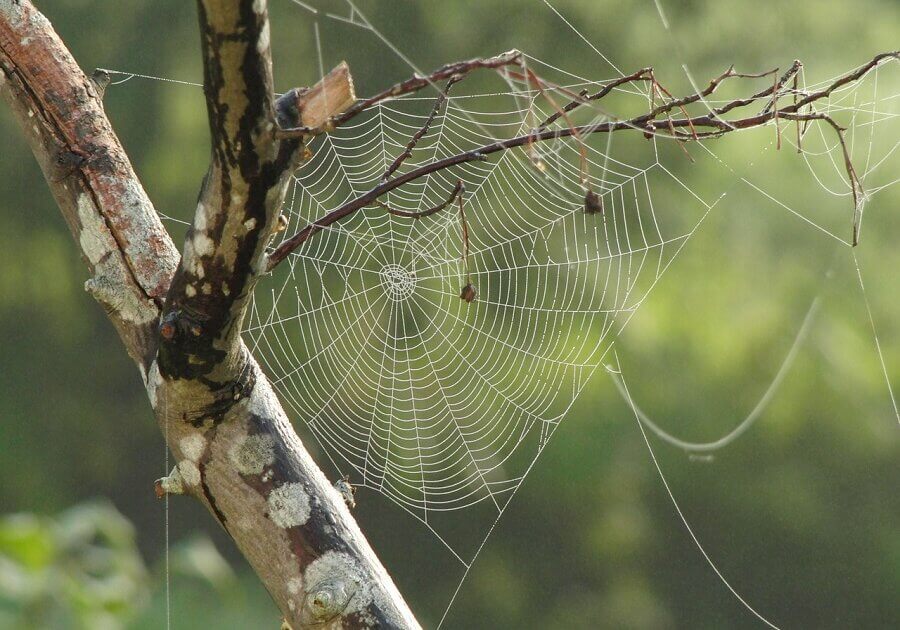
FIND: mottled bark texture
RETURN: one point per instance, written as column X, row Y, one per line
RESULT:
column 234, row 447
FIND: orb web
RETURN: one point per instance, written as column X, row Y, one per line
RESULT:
column 438, row 403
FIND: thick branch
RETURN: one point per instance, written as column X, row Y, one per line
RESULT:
column 235, row 448
column 59, row 110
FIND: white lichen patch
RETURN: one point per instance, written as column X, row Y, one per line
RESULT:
column 263, row 43
column 11, row 11
column 250, row 224
column 152, row 382
column 294, row 586
column 259, row 6
column 289, row 505
column 260, row 265
column 200, row 218
column 335, row 585
column 203, row 244
column 110, row 285
column 188, row 254
column 192, row 446
column 206, row 289
column 253, row 454
column 190, row 291
column 189, row 472
column 93, row 238
column 225, row 290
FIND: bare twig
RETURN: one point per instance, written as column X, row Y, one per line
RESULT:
column 713, row 121
column 423, row 213
column 468, row 292
column 640, row 75
column 538, row 84
column 407, row 152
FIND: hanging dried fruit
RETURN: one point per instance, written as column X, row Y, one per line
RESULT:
column 592, row 203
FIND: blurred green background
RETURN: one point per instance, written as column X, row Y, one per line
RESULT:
column 802, row 514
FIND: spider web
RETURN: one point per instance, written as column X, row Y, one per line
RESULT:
column 437, row 403
column 443, row 405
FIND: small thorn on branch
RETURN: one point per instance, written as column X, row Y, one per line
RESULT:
column 172, row 484
column 101, row 79
column 347, row 491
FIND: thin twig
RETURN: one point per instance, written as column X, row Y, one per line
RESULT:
column 712, row 121
column 640, row 75
column 773, row 105
column 457, row 190
column 465, row 235
column 408, row 151
column 799, row 135
column 533, row 79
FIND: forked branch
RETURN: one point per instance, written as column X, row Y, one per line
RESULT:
column 235, row 449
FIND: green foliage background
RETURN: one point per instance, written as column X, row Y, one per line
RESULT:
column 802, row 514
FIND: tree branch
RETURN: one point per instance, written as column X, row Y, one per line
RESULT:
column 643, row 123
column 129, row 253
column 454, row 71
column 234, row 446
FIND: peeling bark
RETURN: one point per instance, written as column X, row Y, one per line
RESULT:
column 235, row 448
column 128, row 252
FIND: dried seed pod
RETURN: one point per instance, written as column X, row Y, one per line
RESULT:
column 468, row 293
column 592, row 203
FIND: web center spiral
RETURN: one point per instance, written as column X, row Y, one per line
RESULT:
column 398, row 282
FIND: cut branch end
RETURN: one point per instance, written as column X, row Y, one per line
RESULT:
column 331, row 96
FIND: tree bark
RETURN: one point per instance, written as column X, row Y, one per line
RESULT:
column 181, row 322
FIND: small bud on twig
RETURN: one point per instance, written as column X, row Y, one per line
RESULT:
column 593, row 204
